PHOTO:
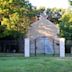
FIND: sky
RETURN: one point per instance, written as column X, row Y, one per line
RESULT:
column 50, row 3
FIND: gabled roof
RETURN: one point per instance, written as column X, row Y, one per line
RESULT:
column 43, row 27
column 44, row 20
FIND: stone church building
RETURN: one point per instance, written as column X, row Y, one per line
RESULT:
column 43, row 35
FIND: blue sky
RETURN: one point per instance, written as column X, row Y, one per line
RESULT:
column 50, row 3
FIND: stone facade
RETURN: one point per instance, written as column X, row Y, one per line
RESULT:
column 44, row 28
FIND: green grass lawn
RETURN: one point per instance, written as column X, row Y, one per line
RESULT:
column 35, row 64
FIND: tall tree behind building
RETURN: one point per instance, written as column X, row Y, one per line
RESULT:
column 15, row 17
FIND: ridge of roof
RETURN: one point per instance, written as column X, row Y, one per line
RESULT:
column 43, row 19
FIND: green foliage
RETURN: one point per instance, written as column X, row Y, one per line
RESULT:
column 54, row 14
column 66, row 25
column 41, row 9
column 70, row 2
column 15, row 16
column 2, row 29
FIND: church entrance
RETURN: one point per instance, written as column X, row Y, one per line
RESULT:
column 43, row 45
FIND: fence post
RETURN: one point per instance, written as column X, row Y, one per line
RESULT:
column 27, row 47
column 62, row 47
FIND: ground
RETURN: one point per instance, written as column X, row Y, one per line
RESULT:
column 35, row 64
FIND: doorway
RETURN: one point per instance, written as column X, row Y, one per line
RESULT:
column 42, row 46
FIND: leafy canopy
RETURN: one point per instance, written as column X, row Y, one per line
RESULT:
column 15, row 17
column 66, row 25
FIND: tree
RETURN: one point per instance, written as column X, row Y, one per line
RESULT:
column 70, row 1
column 54, row 14
column 66, row 25
column 15, row 17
